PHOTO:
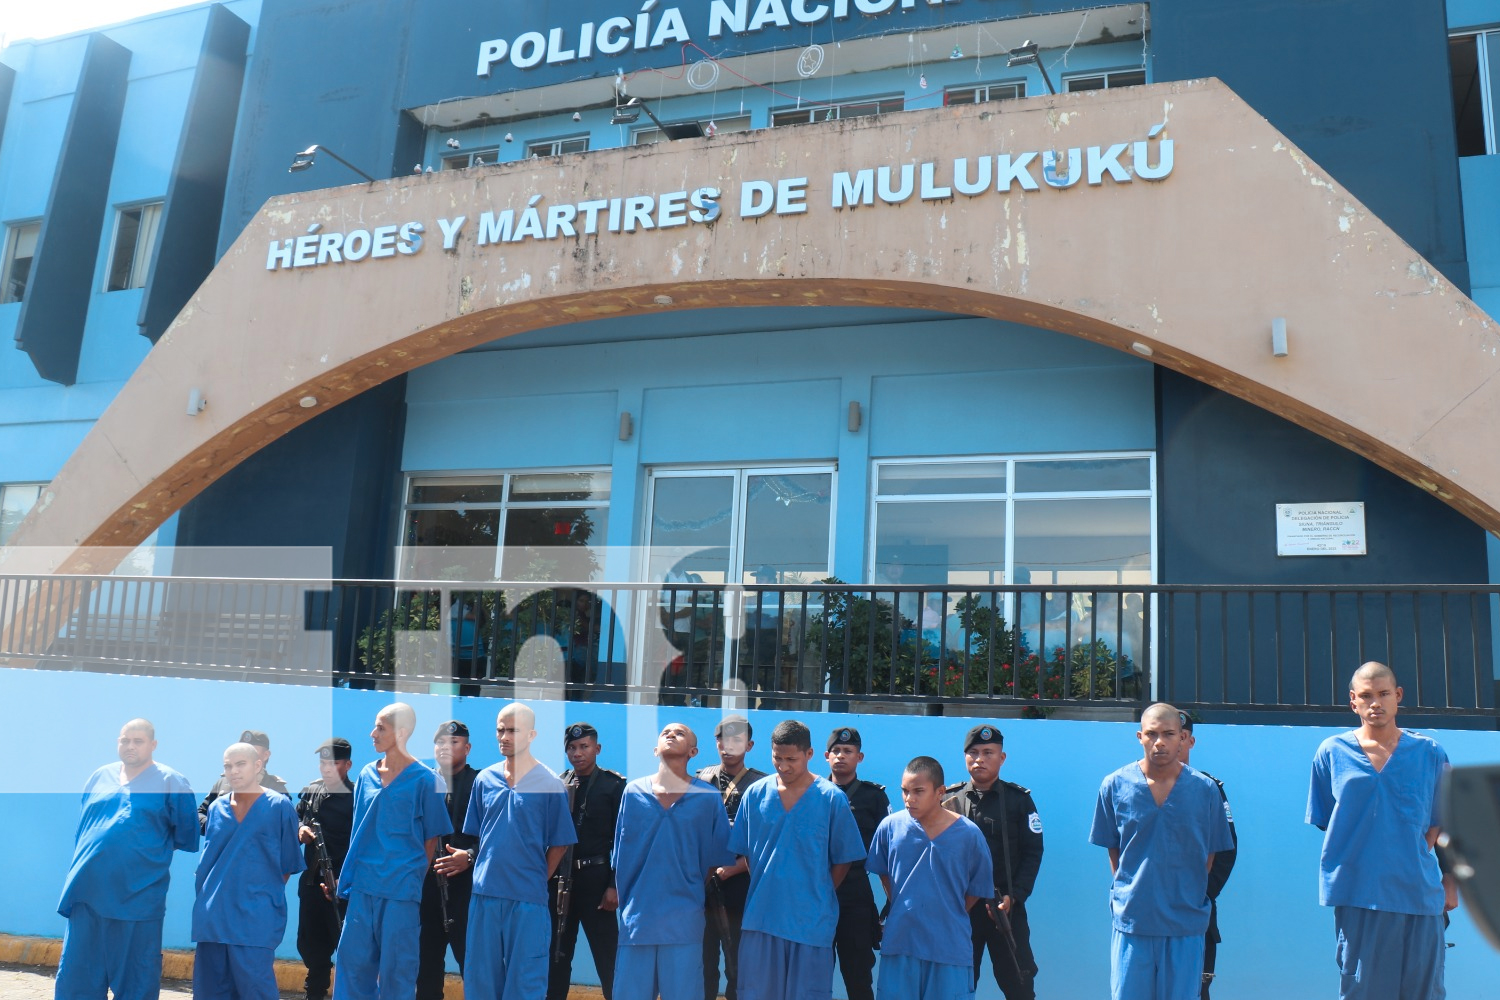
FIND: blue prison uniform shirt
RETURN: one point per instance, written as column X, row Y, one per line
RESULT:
column 122, row 854
column 929, row 880
column 388, row 842
column 241, row 877
column 662, row 858
column 1375, row 853
column 515, row 827
column 1161, row 885
column 791, row 891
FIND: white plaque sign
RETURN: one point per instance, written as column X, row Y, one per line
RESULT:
column 1320, row 529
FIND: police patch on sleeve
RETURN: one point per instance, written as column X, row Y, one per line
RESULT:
column 1227, row 814
column 1034, row 823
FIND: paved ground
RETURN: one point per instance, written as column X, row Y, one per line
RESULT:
column 24, row 982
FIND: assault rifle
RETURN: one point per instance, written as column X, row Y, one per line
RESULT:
column 720, row 913
column 442, row 885
column 325, row 871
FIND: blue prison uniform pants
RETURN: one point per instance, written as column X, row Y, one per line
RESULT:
column 234, row 972
column 672, row 971
column 1148, row 967
column 773, row 968
column 377, row 956
column 100, row 954
column 903, row 977
column 1389, row 956
column 510, row 957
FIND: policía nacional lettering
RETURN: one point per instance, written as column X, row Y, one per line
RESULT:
column 886, row 185
column 651, row 27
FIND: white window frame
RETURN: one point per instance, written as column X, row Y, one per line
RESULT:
column 833, row 110
column 722, row 126
column 143, row 248
column 13, row 233
column 490, row 155
column 1107, row 76
column 1488, row 111
column 986, row 89
column 503, row 477
column 38, row 486
column 1010, row 496
column 535, row 150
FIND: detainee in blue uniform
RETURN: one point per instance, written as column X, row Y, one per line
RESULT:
column 935, row 865
column 1162, row 822
column 250, row 849
column 135, row 814
column 1374, row 792
column 518, row 809
column 398, row 817
column 671, row 832
column 797, row 857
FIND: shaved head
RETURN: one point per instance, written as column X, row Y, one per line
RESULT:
column 140, row 726
column 524, row 717
column 237, row 751
column 1161, row 710
column 403, row 717
column 1372, row 671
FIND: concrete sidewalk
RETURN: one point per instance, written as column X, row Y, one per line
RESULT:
column 30, row 982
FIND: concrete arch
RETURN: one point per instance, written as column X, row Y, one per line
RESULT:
column 1387, row 358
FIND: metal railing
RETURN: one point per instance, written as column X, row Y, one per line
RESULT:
column 879, row 648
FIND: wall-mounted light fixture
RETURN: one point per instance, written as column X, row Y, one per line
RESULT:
column 627, row 426
column 855, row 416
column 305, row 159
column 1278, row 337
column 1144, row 350
column 196, row 401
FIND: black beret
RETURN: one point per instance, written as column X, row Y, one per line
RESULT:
column 847, row 735
column 335, row 749
column 984, row 733
column 578, row 731
column 732, row 725
column 256, row 738
column 453, row 728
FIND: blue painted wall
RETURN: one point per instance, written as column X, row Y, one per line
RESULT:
column 1269, row 908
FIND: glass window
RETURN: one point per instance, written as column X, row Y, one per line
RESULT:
column 1083, row 542
column 941, row 477
column 845, row 109
column 1106, row 81
column 710, row 127
column 1072, row 476
column 557, row 147
column 983, row 93
column 1071, row 520
column 552, row 526
column 473, row 158
column 135, row 239
column 20, row 248
column 1474, row 64
column 16, row 501
column 958, row 543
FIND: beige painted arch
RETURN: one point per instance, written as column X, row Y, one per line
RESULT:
column 1387, row 358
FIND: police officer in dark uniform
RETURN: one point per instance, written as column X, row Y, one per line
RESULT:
column 734, row 738
column 858, row 931
column 443, row 924
column 329, row 805
column 1218, row 875
column 1005, row 814
column 268, row 781
column 595, row 793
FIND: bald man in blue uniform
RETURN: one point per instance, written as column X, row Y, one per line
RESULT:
column 398, row 817
column 135, row 814
column 249, row 852
column 1374, row 793
column 1162, row 823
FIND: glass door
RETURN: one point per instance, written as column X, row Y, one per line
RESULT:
column 769, row 528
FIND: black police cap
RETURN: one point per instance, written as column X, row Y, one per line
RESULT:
column 847, row 735
column 732, row 725
column 256, row 738
column 335, row 749
column 578, row 731
column 983, row 733
column 451, row 728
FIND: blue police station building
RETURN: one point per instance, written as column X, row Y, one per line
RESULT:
column 855, row 499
